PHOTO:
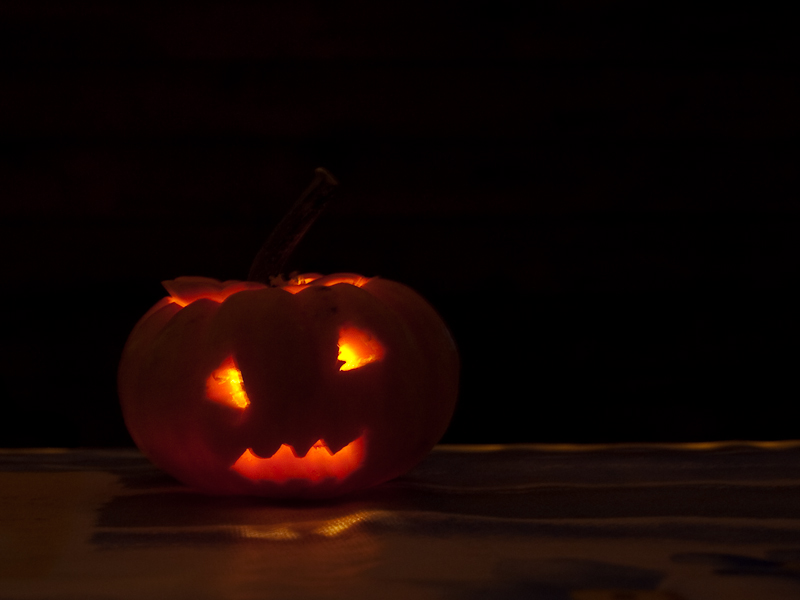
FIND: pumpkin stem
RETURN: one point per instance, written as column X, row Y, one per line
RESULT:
column 271, row 259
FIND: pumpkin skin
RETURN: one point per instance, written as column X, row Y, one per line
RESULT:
column 283, row 349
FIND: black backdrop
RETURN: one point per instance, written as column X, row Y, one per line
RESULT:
column 601, row 198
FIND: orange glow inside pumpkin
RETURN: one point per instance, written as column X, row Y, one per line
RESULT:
column 225, row 385
column 357, row 348
column 185, row 290
column 301, row 282
column 190, row 292
column 318, row 464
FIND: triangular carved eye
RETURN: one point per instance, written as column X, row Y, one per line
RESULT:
column 225, row 385
column 357, row 348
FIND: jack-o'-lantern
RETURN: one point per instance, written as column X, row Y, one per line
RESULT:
column 312, row 387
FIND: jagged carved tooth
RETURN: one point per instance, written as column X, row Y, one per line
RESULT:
column 265, row 449
column 302, row 446
column 337, row 442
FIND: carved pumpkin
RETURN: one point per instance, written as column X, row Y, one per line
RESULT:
column 314, row 388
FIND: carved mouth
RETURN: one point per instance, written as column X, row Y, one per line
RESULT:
column 317, row 465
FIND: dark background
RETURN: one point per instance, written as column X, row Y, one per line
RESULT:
column 600, row 198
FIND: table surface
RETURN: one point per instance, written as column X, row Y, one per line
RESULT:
column 646, row 522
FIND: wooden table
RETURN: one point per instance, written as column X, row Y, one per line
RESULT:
column 646, row 522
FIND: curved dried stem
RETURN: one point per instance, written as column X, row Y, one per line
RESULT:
column 271, row 259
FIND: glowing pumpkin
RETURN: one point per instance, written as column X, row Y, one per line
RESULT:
column 316, row 387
